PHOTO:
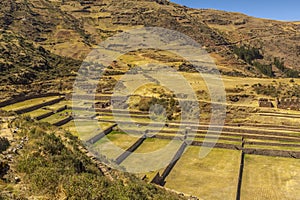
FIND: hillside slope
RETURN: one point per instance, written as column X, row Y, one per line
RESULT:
column 72, row 28
column 49, row 164
column 275, row 38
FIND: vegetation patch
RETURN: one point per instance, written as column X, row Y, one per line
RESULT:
column 51, row 166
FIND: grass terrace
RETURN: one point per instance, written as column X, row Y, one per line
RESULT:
column 270, row 178
column 152, row 156
column 57, row 116
column 87, row 129
column 37, row 112
column 114, row 144
column 28, row 103
column 59, row 105
column 213, row 177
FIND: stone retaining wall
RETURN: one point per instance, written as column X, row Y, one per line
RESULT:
column 131, row 149
column 35, row 107
column 160, row 179
column 43, row 116
column 97, row 137
column 20, row 98
column 63, row 122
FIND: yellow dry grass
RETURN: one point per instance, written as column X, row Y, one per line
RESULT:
column 27, row 103
column 213, row 177
column 270, row 178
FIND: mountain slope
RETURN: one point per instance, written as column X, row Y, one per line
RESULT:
column 51, row 165
column 71, row 28
column 275, row 38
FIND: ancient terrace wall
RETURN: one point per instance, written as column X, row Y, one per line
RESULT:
column 265, row 103
column 35, row 107
column 20, row 98
column 43, row 116
column 287, row 103
column 64, row 121
column 283, row 103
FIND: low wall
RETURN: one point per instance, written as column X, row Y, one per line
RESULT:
column 43, row 116
column 91, row 97
column 35, row 107
column 273, row 144
column 274, row 153
column 63, row 122
column 97, row 137
column 121, row 111
column 62, row 109
column 217, row 145
column 20, row 98
column 131, row 149
column 240, row 177
column 160, row 179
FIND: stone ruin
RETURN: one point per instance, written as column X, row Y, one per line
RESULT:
column 288, row 103
column 283, row 103
column 104, row 104
column 265, row 103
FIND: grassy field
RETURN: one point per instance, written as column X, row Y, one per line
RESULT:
column 25, row 104
column 270, row 178
column 114, row 144
column 37, row 112
column 213, row 177
column 87, row 128
column 57, row 116
column 59, row 105
column 152, row 156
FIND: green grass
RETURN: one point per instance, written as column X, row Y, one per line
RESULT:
column 114, row 144
column 152, row 144
column 85, row 129
column 27, row 103
column 37, row 112
column 213, row 177
column 59, row 105
column 270, row 178
column 152, row 156
column 57, row 116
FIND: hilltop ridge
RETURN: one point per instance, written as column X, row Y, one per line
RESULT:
column 71, row 28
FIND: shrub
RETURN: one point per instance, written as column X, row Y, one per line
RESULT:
column 4, row 144
column 265, row 69
column 247, row 53
column 279, row 64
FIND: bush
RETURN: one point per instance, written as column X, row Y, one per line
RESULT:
column 265, row 69
column 168, row 102
column 279, row 64
column 247, row 53
column 268, row 90
column 290, row 73
column 4, row 144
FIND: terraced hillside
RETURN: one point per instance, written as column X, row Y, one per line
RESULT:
column 277, row 146
column 72, row 28
column 66, row 144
